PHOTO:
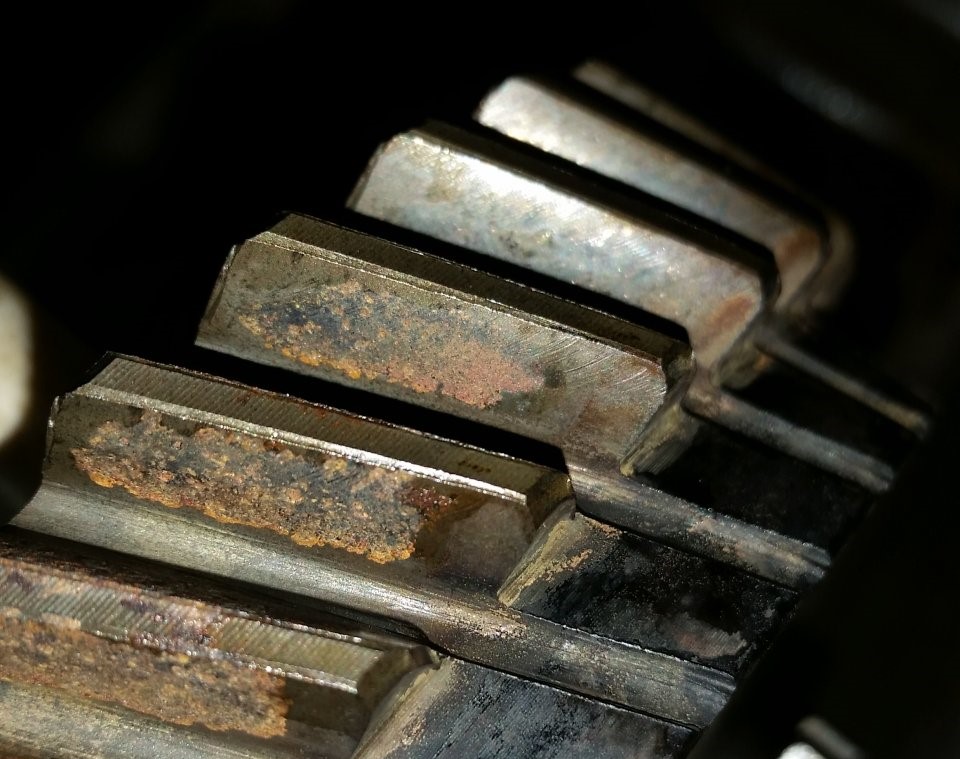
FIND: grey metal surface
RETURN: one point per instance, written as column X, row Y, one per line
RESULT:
column 567, row 125
column 143, row 499
column 148, row 650
column 340, row 305
column 421, row 329
column 561, row 123
column 614, row 83
column 36, row 723
column 469, row 190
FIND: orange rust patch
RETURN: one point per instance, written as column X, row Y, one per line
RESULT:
column 377, row 336
column 219, row 694
column 312, row 498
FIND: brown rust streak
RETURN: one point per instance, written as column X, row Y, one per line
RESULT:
column 798, row 248
column 380, row 336
column 219, row 694
column 734, row 313
column 313, row 499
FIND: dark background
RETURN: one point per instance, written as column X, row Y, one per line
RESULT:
column 140, row 144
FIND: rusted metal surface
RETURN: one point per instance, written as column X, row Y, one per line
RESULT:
column 236, row 478
column 608, row 609
column 313, row 489
column 326, row 327
column 447, row 590
column 220, row 695
column 40, row 723
column 180, row 660
column 568, row 124
column 444, row 336
column 487, row 197
column 496, row 199
column 598, row 399
column 466, row 711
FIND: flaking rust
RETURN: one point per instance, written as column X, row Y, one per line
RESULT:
column 153, row 675
column 426, row 349
column 349, row 308
column 174, row 687
column 120, row 636
column 235, row 478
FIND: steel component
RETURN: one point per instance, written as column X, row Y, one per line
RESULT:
column 91, row 632
column 113, row 658
column 595, row 395
column 467, row 711
column 613, row 83
column 487, row 197
column 38, row 723
column 566, row 125
column 587, row 575
column 337, row 304
column 607, row 609
column 181, row 490
column 493, row 199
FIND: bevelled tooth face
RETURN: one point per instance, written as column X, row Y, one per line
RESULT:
column 334, row 304
column 387, row 501
column 201, row 473
column 116, row 634
column 570, row 128
column 467, row 191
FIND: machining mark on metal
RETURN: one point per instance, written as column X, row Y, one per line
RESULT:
column 68, row 623
column 183, row 690
column 455, row 608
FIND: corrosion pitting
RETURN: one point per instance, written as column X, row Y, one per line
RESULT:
column 381, row 336
column 218, row 693
column 314, row 499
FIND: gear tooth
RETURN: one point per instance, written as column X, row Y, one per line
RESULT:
column 593, row 518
